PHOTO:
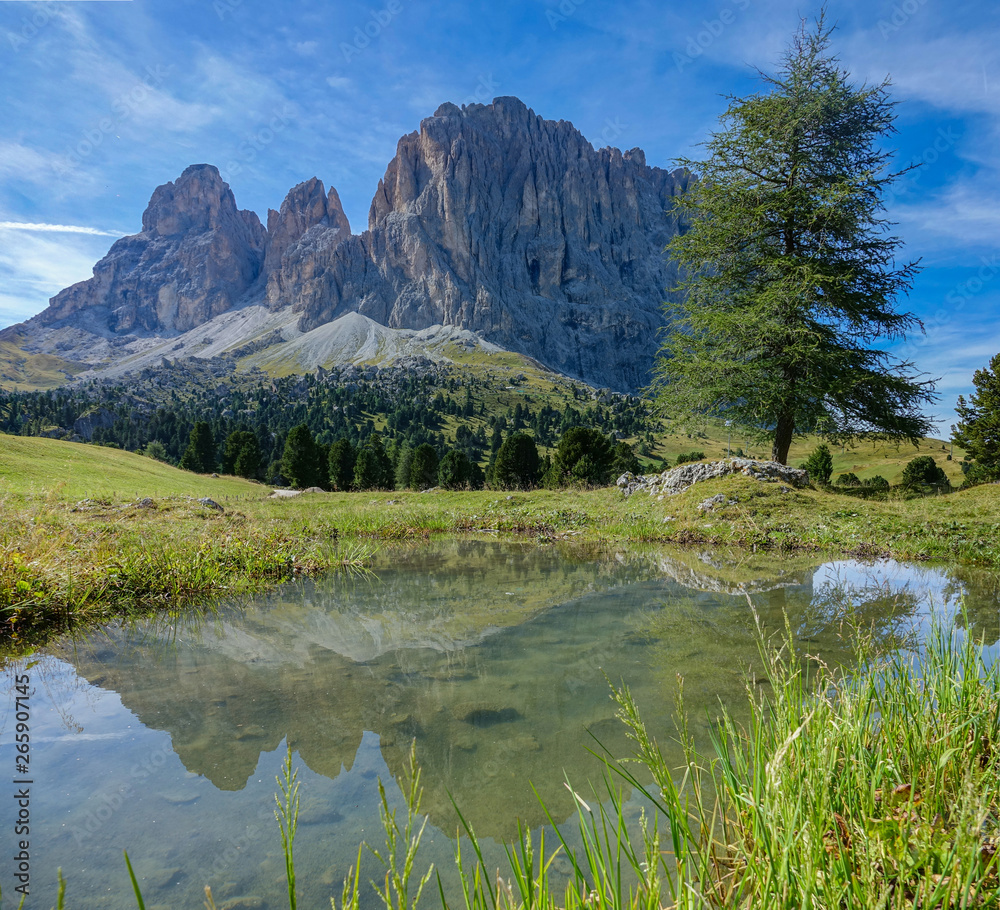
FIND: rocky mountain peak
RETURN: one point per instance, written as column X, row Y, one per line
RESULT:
column 450, row 142
column 493, row 219
column 447, row 108
column 489, row 218
column 636, row 155
column 196, row 256
column 199, row 201
column 305, row 206
column 308, row 226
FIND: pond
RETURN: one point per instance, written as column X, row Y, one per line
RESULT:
column 163, row 737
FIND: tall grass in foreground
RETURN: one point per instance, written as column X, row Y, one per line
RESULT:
column 874, row 789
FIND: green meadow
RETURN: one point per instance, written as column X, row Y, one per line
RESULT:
column 90, row 532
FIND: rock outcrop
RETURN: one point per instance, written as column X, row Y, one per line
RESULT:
column 308, row 223
column 85, row 425
column 196, row 256
column 514, row 227
column 679, row 479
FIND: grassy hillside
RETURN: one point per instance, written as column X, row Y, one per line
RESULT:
column 28, row 372
column 70, row 471
column 864, row 459
column 510, row 379
column 437, row 399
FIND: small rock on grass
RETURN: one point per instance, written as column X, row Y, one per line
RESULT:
column 720, row 499
column 211, row 504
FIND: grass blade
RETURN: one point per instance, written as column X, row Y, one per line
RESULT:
column 131, row 875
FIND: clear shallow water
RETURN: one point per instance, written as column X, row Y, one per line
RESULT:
column 164, row 738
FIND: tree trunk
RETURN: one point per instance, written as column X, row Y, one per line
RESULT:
column 782, row 438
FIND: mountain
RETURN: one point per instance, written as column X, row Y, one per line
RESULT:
column 491, row 226
column 197, row 256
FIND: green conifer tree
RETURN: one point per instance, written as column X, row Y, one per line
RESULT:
column 978, row 431
column 584, row 456
column 790, row 279
column 424, row 467
column 343, row 457
column 300, row 461
column 455, row 470
column 373, row 469
column 199, row 456
column 820, row 464
column 241, row 455
column 517, row 463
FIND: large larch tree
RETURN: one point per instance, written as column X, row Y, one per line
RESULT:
column 790, row 275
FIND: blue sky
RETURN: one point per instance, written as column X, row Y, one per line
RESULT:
column 103, row 100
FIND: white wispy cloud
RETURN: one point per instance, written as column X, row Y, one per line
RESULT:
column 57, row 228
column 136, row 100
column 242, row 94
column 963, row 213
column 20, row 163
column 948, row 353
column 35, row 265
column 951, row 72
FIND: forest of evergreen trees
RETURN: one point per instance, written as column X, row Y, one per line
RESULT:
column 420, row 421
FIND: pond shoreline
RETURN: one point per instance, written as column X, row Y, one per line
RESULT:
column 65, row 563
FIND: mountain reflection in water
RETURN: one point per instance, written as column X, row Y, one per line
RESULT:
column 494, row 659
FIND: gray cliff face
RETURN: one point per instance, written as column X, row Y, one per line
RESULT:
column 489, row 218
column 495, row 220
column 308, row 224
column 196, row 257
